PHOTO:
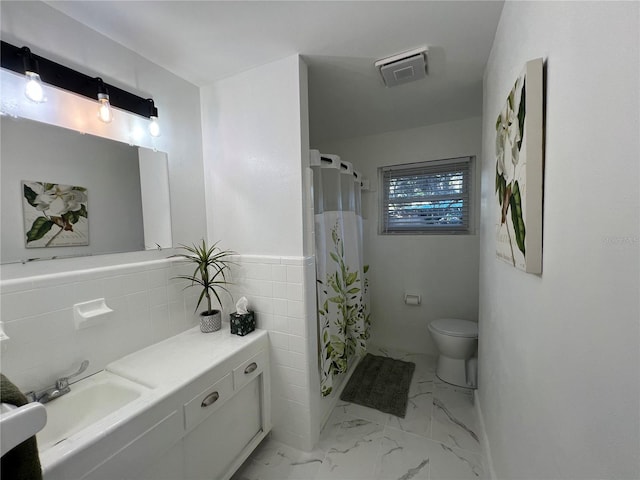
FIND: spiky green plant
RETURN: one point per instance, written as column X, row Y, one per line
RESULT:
column 211, row 268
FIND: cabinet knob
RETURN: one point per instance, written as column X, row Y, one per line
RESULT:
column 209, row 399
column 251, row 367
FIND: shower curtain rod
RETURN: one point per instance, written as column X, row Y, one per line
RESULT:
column 343, row 165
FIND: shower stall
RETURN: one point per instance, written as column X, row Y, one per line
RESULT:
column 341, row 274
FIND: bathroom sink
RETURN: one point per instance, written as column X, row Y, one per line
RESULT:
column 89, row 401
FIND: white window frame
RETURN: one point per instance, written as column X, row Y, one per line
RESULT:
column 427, row 168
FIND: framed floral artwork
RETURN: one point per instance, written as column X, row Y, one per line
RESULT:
column 519, row 172
column 55, row 215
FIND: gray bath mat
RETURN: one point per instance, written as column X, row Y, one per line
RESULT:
column 381, row 383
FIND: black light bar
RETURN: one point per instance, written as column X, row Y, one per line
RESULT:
column 19, row 59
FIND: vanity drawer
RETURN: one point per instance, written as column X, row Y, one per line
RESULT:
column 207, row 402
column 249, row 369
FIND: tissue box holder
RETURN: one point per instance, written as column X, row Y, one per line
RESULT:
column 242, row 323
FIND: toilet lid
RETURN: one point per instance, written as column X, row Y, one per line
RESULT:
column 455, row 327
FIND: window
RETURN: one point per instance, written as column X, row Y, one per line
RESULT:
column 427, row 197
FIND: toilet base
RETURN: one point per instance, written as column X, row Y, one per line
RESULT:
column 454, row 371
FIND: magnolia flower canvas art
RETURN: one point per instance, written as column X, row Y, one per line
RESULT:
column 55, row 215
column 519, row 168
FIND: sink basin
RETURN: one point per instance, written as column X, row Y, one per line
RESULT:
column 89, row 401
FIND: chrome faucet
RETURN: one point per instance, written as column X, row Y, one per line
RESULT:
column 60, row 388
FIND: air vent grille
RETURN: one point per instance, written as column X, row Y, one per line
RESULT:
column 403, row 68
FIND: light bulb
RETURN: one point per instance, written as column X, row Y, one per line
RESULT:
column 33, row 89
column 154, row 127
column 104, row 111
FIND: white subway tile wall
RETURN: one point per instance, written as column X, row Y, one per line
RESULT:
column 281, row 291
column 150, row 305
column 37, row 314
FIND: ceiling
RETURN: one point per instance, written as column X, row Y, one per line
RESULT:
column 204, row 41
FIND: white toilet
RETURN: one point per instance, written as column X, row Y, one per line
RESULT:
column 457, row 341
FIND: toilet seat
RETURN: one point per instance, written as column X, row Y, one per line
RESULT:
column 455, row 327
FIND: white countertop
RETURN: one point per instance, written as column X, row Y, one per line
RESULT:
column 183, row 357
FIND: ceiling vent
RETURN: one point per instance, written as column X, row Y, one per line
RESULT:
column 404, row 67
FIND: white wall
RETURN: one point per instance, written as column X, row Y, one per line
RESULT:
column 559, row 353
column 252, row 134
column 255, row 133
column 37, row 297
column 281, row 292
column 443, row 269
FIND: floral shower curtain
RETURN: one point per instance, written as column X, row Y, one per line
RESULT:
column 342, row 285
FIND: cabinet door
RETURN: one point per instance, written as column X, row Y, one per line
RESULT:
column 213, row 445
column 169, row 466
column 207, row 402
column 139, row 453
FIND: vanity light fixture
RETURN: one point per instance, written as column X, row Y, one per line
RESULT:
column 22, row 61
column 104, row 110
column 154, row 126
column 33, row 87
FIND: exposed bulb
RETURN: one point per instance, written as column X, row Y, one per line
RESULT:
column 154, row 127
column 33, row 89
column 104, row 111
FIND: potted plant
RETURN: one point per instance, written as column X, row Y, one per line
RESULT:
column 211, row 265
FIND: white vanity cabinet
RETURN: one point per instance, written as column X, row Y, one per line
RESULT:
column 221, row 435
column 211, row 409
column 212, row 447
column 238, row 422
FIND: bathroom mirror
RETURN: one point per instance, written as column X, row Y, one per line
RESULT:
column 67, row 194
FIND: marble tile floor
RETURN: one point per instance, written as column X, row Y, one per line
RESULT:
column 437, row 439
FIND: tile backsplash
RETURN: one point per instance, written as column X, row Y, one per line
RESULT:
column 37, row 316
column 281, row 291
column 149, row 305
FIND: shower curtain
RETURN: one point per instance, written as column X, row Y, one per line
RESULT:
column 341, row 276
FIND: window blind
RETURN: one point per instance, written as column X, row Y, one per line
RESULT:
column 427, row 197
